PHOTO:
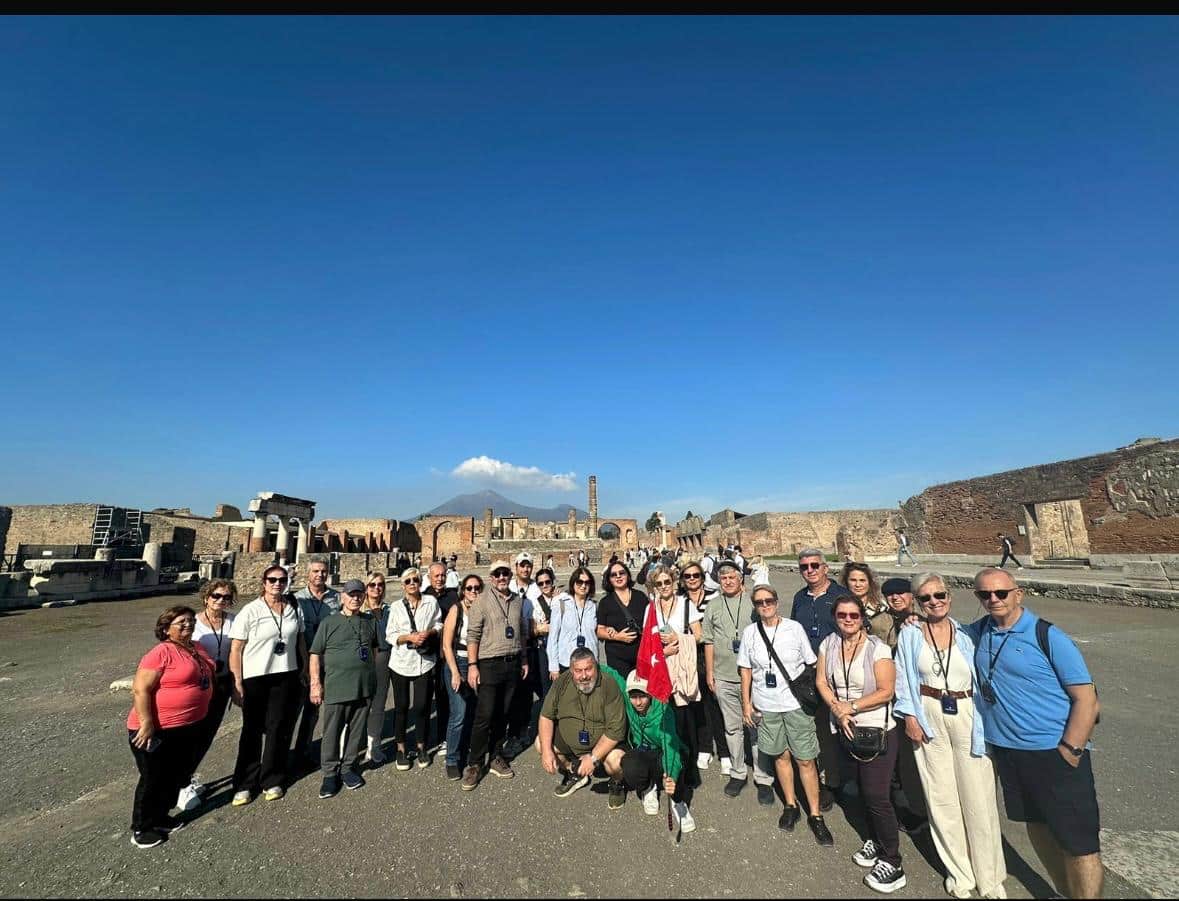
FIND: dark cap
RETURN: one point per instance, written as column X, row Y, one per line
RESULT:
column 353, row 585
column 895, row 586
column 727, row 564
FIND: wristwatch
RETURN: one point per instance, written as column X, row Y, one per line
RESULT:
column 594, row 760
column 855, row 709
column 1076, row 752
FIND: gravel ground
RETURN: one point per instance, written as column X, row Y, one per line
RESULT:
column 65, row 801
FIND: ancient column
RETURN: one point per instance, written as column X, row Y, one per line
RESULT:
column 153, row 556
column 573, row 523
column 258, row 536
column 487, row 518
column 593, row 506
column 283, row 544
column 301, row 542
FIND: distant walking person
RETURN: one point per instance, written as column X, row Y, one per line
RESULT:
column 1008, row 546
column 903, row 547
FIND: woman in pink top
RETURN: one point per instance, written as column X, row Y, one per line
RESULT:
column 171, row 693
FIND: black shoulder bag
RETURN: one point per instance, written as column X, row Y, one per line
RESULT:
column 803, row 687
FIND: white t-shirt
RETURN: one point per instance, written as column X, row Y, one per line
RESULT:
column 258, row 627
column 676, row 619
column 793, row 649
column 404, row 659
column 452, row 579
column 216, row 641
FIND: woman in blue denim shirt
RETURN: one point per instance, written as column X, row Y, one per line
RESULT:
column 936, row 682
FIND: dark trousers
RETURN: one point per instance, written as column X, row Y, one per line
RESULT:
column 830, row 756
column 497, row 687
column 222, row 691
column 710, row 723
column 641, row 769
column 535, row 686
column 308, row 717
column 270, row 705
column 411, row 694
column 1007, row 555
column 875, row 779
column 346, row 719
column 376, row 704
column 907, row 780
column 440, row 698
column 162, row 773
column 685, row 727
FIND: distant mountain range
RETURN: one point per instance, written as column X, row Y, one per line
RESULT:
column 475, row 504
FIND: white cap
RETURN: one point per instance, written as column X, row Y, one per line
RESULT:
column 523, row 557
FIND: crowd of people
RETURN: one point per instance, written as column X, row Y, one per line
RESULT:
column 856, row 683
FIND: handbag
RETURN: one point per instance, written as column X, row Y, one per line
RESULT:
column 803, row 686
column 866, row 744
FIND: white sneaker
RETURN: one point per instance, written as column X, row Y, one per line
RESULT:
column 651, row 801
column 703, row 759
column 687, row 824
column 190, row 796
column 726, row 766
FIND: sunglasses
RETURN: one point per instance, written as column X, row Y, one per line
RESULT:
column 693, row 575
column 501, row 574
column 220, row 597
column 472, row 588
column 376, row 584
column 1001, row 594
column 806, row 566
column 277, row 580
column 851, row 616
column 663, row 583
column 937, row 595
column 618, row 574
column 765, row 602
column 411, row 581
column 582, row 582
column 544, row 583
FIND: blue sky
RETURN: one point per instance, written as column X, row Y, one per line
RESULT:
column 768, row 264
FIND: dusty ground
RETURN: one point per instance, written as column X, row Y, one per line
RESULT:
column 65, row 798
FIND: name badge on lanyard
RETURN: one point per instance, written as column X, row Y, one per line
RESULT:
column 771, row 680
column 509, row 632
column 949, row 705
column 736, row 645
column 583, row 736
column 280, row 647
column 363, row 652
column 581, row 641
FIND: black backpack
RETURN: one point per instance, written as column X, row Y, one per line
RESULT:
column 1042, row 627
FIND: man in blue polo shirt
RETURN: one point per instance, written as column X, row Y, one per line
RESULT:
column 812, row 609
column 1038, row 714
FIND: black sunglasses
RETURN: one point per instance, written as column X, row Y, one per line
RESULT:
column 220, row 597
column 938, row 595
column 472, row 588
column 277, row 580
column 500, row 574
column 1001, row 594
column 543, row 582
column 582, row 582
column 693, row 575
column 803, row 566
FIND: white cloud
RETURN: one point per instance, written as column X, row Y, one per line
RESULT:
column 488, row 470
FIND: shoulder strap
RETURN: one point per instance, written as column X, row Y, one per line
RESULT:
column 412, row 622
column 458, row 623
column 546, row 607
column 687, row 603
column 769, row 647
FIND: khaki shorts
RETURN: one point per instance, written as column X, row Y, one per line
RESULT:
column 792, row 731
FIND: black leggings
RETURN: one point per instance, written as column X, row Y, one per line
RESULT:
column 162, row 773
column 222, row 690
column 875, row 779
column 710, row 723
column 270, row 705
column 685, row 727
column 421, row 687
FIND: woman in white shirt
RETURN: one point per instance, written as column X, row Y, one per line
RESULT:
column 413, row 630
column 268, row 659
column 856, row 679
column 212, row 630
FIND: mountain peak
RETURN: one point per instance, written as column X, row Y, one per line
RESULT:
column 475, row 503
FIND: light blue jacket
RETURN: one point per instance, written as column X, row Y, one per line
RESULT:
column 909, row 644
column 564, row 629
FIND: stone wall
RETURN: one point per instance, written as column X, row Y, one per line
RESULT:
column 1128, row 501
column 51, row 524
column 860, row 533
column 539, row 549
column 185, row 537
column 247, row 573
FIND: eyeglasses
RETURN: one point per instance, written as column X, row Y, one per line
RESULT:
column 544, row 583
column 582, row 582
column 851, row 616
column 812, row 566
column 663, row 583
column 501, row 574
column 183, row 624
column 277, row 580
column 412, row 580
column 765, row 602
column 937, row 595
column 1001, row 594
column 215, row 596
column 472, row 588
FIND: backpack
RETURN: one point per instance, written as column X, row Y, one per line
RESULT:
column 1042, row 627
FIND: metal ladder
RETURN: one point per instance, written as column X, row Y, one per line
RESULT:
column 104, row 518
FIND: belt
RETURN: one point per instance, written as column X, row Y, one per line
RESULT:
column 513, row 657
column 938, row 692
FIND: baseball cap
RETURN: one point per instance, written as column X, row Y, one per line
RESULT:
column 730, row 564
column 353, row 585
column 895, row 586
column 523, row 557
column 499, row 564
column 634, row 682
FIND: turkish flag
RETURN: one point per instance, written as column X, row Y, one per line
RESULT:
column 652, row 665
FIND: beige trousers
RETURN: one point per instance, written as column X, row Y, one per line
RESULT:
column 960, row 794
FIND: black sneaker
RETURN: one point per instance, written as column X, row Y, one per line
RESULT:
column 454, row 773
column 885, row 878
column 402, row 760
column 789, row 818
column 171, row 824
column 423, row 758
column 734, row 787
column 826, row 798
column 617, row 795
column 353, row 781
column 148, row 838
column 765, row 795
column 570, row 782
column 330, row 787
column 822, row 833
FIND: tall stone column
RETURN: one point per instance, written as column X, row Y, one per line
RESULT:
column 153, row 556
column 593, row 506
column 283, row 544
column 573, row 523
column 487, row 520
column 258, row 536
column 302, row 541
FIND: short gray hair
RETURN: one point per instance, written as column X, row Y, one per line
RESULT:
column 582, row 654
column 812, row 552
column 439, row 564
column 763, row 586
column 922, row 579
column 987, row 570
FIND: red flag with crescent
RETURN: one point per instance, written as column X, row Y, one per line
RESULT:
column 652, row 665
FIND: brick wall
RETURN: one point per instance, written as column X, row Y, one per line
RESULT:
column 247, row 573
column 1129, row 502
column 51, row 524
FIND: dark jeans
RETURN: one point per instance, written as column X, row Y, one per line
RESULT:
column 162, row 773
column 685, row 727
column 376, row 704
column 270, row 705
column 411, row 694
column 535, row 686
column 497, row 687
column 908, row 780
column 875, row 779
column 710, row 723
column 308, row 717
column 462, row 714
column 222, row 691
column 642, row 769
column 1008, row 556
column 440, row 697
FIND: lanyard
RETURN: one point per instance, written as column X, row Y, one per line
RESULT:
column 995, row 654
column 219, row 634
column 282, row 612
column 196, row 658
column 580, row 613
column 732, row 615
column 847, row 668
column 502, row 606
column 944, row 666
column 357, row 630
